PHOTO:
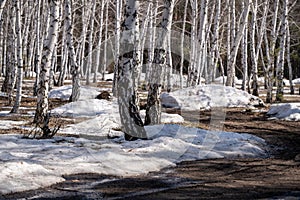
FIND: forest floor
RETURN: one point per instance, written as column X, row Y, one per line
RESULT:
column 277, row 177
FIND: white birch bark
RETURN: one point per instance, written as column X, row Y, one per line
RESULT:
column 103, row 68
column 270, row 52
column 19, row 53
column 90, row 42
column 169, row 63
column 194, row 44
column 153, row 108
column 280, row 67
column 288, row 57
column 71, row 52
column 237, row 41
column 132, row 123
column 245, row 55
column 97, row 65
column 42, row 116
column 202, row 37
column 119, row 4
column 215, row 38
column 182, row 44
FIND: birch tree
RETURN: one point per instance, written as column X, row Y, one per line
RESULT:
column 236, row 43
column 288, row 57
column 97, row 65
column 153, row 108
column 71, row 52
column 182, row 43
column 280, row 67
column 245, row 54
column 270, row 52
column 19, row 54
column 90, row 42
column 42, row 116
column 128, row 99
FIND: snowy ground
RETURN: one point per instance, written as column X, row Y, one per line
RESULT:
column 30, row 164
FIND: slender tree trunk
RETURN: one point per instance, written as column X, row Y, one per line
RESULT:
column 193, row 65
column 117, row 45
column 103, row 68
column 90, row 41
column 245, row 55
column 19, row 53
column 42, row 116
column 271, row 63
column 215, row 38
column 254, row 59
column 71, row 52
column 97, row 65
column 182, row 44
column 153, row 108
column 280, row 67
column 234, row 48
column 169, row 63
column 288, row 56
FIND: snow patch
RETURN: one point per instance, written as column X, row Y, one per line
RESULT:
column 31, row 164
column 208, row 96
column 285, row 111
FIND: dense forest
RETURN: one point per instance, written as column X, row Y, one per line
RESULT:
column 195, row 40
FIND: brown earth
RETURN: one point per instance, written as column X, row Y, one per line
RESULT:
column 277, row 177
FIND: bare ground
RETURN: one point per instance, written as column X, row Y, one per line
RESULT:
column 277, row 177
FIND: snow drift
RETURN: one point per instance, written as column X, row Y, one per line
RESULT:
column 208, row 96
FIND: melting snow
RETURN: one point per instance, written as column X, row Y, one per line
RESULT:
column 207, row 96
column 285, row 111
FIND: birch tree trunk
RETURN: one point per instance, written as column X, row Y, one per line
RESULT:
column 37, row 59
column 90, row 41
column 19, row 53
column 97, row 65
column 280, row 67
column 254, row 59
column 288, row 57
column 119, row 4
column 194, row 44
column 71, row 52
column 182, row 44
column 245, row 54
column 169, row 63
column 10, row 78
column 153, row 108
column 215, row 38
column 2, row 43
column 234, row 48
column 202, row 37
column 42, row 116
column 103, row 68
column 128, row 100
column 271, row 52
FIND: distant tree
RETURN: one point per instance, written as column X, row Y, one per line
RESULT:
column 236, row 43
